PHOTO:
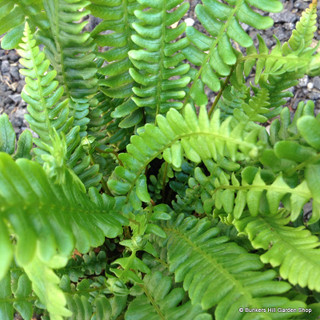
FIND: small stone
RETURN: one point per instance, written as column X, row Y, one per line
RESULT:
column 14, row 71
column 16, row 98
column 3, row 55
column 20, row 86
column 314, row 95
column 21, row 104
column 189, row 22
column 289, row 26
column 316, row 82
column 5, row 67
column 14, row 86
column 17, row 119
column 284, row 16
column 310, row 86
column 12, row 56
column 303, row 82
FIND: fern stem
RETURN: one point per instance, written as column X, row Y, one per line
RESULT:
column 290, row 172
column 113, row 152
column 104, row 184
column 13, row 300
column 164, row 180
column 55, row 32
column 217, row 98
column 153, row 302
column 160, row 79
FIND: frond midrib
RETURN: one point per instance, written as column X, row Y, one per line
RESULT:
column 290, row 246
column 217, row 267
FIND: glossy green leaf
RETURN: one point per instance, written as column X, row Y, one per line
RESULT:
column 7, row 135
column 309, row 127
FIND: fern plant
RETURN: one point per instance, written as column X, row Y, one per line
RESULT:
column 134, row 198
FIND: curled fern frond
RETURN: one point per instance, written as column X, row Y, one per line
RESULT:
column 176, row 136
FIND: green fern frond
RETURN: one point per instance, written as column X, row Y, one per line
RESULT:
column 45, row 284
column 219, row 273
column 214, row 53
column 8, row 140
column 275, row 62
column 70, row 52
column 198, row 196
column 290, row 248
column 16, row 294
column 160, row 301
column 232, row 98
column 176, row 136
column 44, row 237
column 159, row 58
column 157, row 184
column 303, row 34
column 45, row 232
column 13, row 14
column 299, row 151
column 118, row 17
column 87, row 299
column 48, row 113
column 286, row 128
column 258, row 107
column 41, row 91
column 276, row 70
column 251, row 192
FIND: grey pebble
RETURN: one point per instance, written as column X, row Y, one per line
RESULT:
column 14, row 71
column 5, row 66
column 304, row 81
column 316, row 82
column 16, row 98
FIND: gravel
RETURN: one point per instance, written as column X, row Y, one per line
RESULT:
column 11, row 82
